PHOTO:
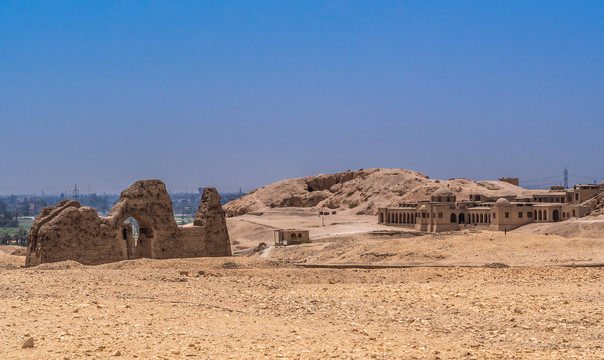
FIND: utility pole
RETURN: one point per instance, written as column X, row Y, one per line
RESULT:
column 75, row 192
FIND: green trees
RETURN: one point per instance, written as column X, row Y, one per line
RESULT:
column 5, row 239
column 21, row 237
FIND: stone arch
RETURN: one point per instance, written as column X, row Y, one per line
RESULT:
column 555, row 215
column 481, row 220
column 544, row 215
column 540, row 215
column 453, row 218
column 462, row 218
column 144, row 244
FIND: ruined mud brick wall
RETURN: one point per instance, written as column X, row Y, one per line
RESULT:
column 69, row 231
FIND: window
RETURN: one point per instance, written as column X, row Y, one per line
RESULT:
column 507, row 215
column 576, row 198
column 573, row 212
column 520, row 214
column 529, row 214
column 440, row 215
column 423, row 215
column 494, row 216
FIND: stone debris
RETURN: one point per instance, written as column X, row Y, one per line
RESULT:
column 29, row 343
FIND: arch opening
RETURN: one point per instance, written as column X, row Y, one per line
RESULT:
column 138, row 234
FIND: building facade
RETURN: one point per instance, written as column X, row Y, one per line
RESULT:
column 444, row 213
column 290, row 236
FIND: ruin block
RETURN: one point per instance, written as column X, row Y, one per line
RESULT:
column 70, row 231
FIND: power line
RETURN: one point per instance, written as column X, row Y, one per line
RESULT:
column 541, row 179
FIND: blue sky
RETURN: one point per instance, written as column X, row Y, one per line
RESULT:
column 231, row 94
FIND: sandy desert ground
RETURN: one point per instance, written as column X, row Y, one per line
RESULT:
column 472, row 295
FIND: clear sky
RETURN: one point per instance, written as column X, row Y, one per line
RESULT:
column 229, row 93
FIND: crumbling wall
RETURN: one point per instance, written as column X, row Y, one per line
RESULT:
column 211, row 217
column 69, row 231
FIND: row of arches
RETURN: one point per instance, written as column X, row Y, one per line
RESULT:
column 471, row 219
column 542, row 215
column 409, row 218
column 399, row 218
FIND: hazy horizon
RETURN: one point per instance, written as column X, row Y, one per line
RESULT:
column 239, row 94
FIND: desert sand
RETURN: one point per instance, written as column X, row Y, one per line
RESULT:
column 242, row 308
column 371, row 292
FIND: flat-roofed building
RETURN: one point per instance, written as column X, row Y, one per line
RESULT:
column 443, row 212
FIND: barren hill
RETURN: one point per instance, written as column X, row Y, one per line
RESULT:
column 361, row 191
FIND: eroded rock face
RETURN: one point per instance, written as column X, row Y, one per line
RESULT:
column 326, row 182
column 69, row 231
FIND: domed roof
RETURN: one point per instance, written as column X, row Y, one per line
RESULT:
column 423, row 208
column 502, row 202
column 443, row 192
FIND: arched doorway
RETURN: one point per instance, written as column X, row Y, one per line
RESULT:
column 462, row 218
column 453, row 218
column 381, row 217
column 556, row 215
column 139, row 236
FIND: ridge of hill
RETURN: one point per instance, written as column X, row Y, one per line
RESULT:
column 362, row 191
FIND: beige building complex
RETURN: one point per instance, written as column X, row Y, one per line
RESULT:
column 444, row 213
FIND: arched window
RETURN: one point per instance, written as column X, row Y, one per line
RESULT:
column 453, row 218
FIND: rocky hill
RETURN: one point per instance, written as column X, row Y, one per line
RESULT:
column 361, row 191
